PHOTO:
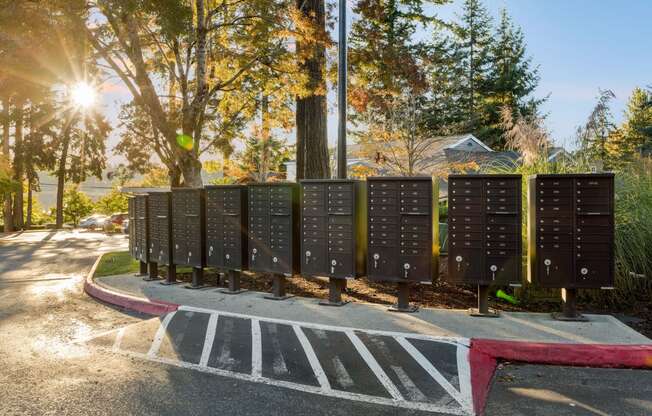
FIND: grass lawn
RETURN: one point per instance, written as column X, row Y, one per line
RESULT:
column 116, row 263
column 121, row 262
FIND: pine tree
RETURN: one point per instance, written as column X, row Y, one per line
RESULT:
column 512, row 80
column 637, row 128
column 594, row 135
column 473, row 38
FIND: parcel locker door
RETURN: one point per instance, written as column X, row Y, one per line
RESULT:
column 554, row 268
column 382, row 263
column 465, row 265
column 165, row 251
column 194, row 243
column 314, row 256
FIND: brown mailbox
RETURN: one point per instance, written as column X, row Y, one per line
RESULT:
column 226, row 226
column 484, row 229
column 141, row 229
column 333, row 228
column 188, row 227
column 571, row 230
column 160, row 227
column 273, row 225
column 402, row 212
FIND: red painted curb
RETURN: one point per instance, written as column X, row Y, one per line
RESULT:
column 133, row 303
column 485, row 353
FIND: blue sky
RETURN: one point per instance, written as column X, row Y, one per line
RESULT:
column 579, row 45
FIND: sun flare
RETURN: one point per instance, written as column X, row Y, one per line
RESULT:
column 83, row 95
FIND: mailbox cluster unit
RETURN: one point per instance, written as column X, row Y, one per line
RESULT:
column 140, row 229
column 226, row 227
column 188, row 225
column 160, row 227
column 131, row 201
column 273, row 225
column 571, row 231
column 484, row 229
column 333, row 228
column 402, row 212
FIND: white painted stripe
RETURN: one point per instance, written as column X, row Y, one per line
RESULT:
column 343, row 377
column 449, row 340
column 118, row 339
column 427, row 407
column 256, row 350
column 158, row 338
column 413, row 392
column 208, row 341
column 374, row 366
column 312, row 358
column 434, row 373
column 464, row 373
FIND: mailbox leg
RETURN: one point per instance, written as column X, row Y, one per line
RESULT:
column 569, row 307
column 403, row 300
column 153, row 272
column 278, row 288
column 234, row 283
column 171, row 278
column 197, row 279
column 142, row 270
column 335, row 288
column 483, row 304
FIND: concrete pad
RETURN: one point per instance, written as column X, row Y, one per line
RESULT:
column 515, row 326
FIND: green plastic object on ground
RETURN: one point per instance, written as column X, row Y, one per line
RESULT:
column 502, row 295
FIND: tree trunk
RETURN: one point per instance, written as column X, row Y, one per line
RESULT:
column 8, row 216
column 61, row 176
column 28, row 219
column 312, row 141
column 18, row 167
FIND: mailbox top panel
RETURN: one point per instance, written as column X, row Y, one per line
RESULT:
column 573, row 175
column 232, row 186
column 330, row 180
column 273, row 184
column 159, row 192
column 399, row 178
column 485, row 176
column 187, row 189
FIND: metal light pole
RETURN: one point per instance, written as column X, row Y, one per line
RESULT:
column 341, row 93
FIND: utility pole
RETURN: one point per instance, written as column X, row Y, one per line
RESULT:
column 341, row 93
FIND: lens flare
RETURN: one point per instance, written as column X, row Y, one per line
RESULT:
column 185, row 141
column 83, row 95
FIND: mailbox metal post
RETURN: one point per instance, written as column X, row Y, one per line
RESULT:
column 571, row 235
column 226, row 233
column 403, row 299
column 273, row 215
column 171, row 278
column 188, row 232
column 333, row 232
column 403, row 233
column 142, row 269
column 484, row 233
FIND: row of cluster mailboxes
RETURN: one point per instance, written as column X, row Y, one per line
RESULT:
column 387, row 228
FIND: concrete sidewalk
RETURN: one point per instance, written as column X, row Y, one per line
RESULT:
column 518, row 326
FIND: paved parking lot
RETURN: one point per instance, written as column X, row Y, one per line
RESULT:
column 402, row 370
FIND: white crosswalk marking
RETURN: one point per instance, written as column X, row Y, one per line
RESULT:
column 312, row 358
column 256, row 350
column 158, row 338
column 209, row 339
column 434, row 373
column 414, row 393
column 374, row 366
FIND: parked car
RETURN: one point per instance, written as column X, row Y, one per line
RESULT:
column 125, row 226
column 118, row 219
column 94, row 221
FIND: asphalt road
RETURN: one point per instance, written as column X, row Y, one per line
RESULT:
column 44, row 369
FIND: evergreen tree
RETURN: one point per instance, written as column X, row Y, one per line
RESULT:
column 637, row 128
column 512, row 80
column 473, row 43
column 593, row 136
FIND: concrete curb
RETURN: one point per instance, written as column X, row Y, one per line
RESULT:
column 133, row 303
column 485, row 353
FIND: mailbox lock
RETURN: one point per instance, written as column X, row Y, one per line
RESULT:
column 584, row 271
column 406, row 267
column 253, row 254
column 275, row 259
column 333, row 264
column 376, row 258
column 308, row 254
column 547, row 263
column 458, row 259
column 493, row 269
column 228, row 256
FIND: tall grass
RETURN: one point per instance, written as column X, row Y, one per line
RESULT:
column 633, row 232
